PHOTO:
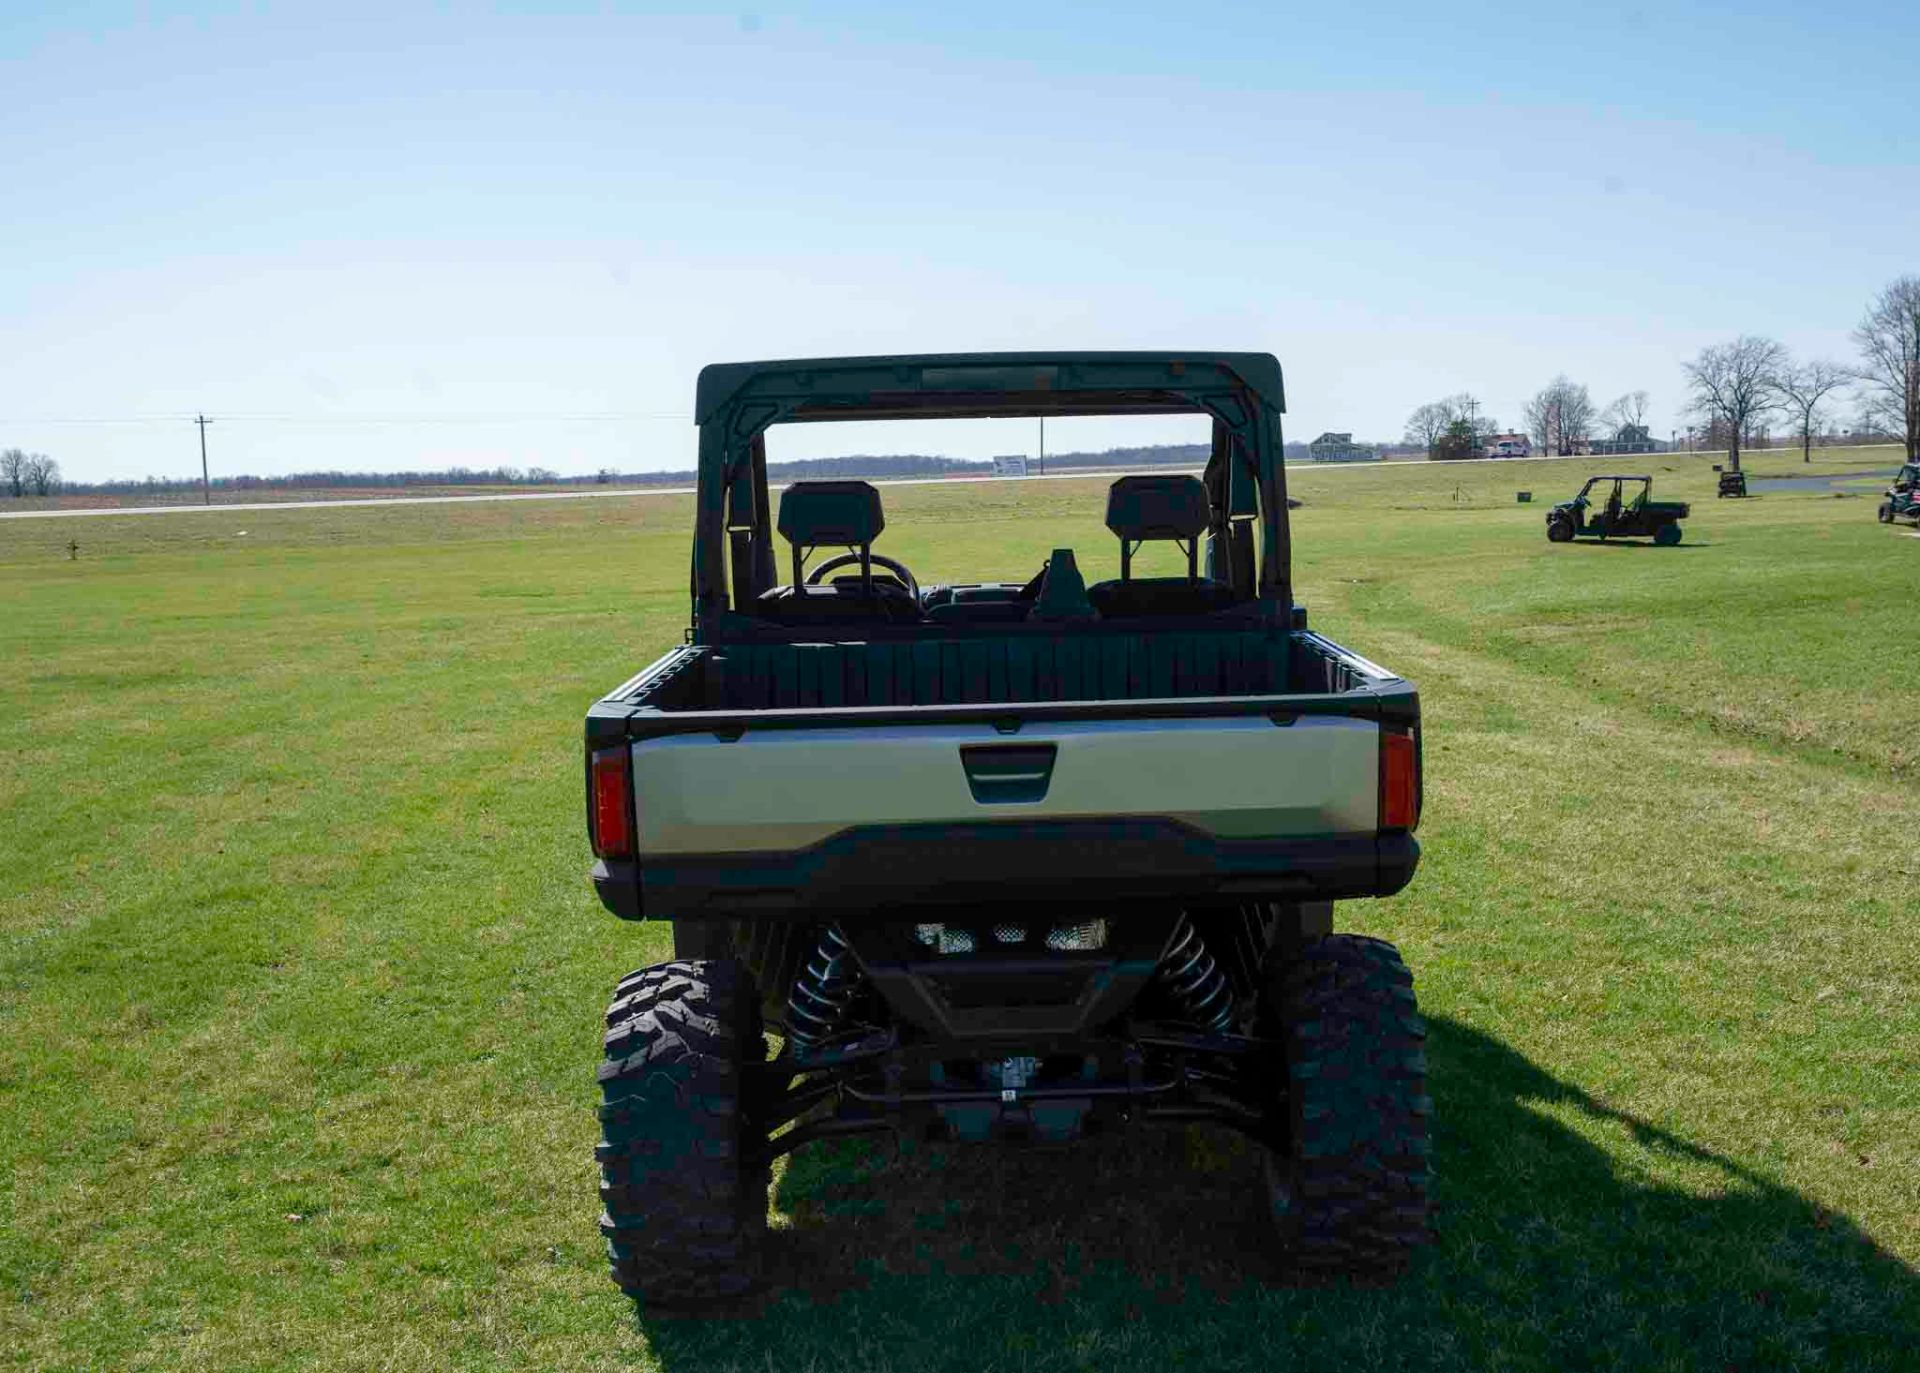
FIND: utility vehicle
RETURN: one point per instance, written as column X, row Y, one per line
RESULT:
column 1902, row 501
column 1620, row 508
column 1013, row 859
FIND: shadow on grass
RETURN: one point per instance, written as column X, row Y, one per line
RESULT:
column 1680, row 547
column 1150, row 1248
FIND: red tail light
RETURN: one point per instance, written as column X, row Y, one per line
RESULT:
column 611, row 803
column 1399, row 780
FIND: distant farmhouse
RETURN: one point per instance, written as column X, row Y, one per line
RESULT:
column 1332, row 447
column 1632, row 438
column 1012, row 465
column 1509, row 446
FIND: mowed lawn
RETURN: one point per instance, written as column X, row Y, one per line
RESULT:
column 301, row 978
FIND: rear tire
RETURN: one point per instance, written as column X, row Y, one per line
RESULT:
column 1667, row 535
column 682, row 1180
column 1349, row 1193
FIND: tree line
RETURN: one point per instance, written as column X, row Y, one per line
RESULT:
column 28, row 474
column 23, row 474
column 1733, row 388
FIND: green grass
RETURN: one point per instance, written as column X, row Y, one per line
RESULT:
column 300, row 977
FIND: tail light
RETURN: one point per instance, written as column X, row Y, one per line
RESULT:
column 610, row 802
column 1399, row 779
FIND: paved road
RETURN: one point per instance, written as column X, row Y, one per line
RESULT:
column 340, row 504
column 592, row 493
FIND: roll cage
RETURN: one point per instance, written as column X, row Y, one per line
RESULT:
column 1617, row 500
column 1646, row 484
column 735, row 558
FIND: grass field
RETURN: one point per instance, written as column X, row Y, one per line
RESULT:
column 301, row 979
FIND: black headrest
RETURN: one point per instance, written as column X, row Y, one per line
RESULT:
column 847, row 514
column 1156, row 506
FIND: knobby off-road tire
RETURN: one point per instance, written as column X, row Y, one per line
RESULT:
column 1667, row 535
column 1350, row 1193
column 684, row 1190
column 1886, row 512
column 1559, row 531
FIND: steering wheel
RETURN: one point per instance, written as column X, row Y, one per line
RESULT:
column 840, row 560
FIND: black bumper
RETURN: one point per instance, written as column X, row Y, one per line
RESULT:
column 1066, row 861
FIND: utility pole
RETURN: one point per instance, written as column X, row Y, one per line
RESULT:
column 1043, row 445
column 206, row 486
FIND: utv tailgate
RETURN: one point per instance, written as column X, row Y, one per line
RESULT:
column 1242, row 777
column 823, row 818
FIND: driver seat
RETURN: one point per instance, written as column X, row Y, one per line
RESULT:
column 828, row 514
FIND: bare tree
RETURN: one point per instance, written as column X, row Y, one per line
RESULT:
column 1542, row 418
column 1889, row 343
column 1624, row 413
column 1869, row 423
column 1576, row 416
column 1736, row 383
column 1803, row 390
column 1560, row 416
column 1874, row 420
column 42, row 473
column 1428, row 423
column 13, row 471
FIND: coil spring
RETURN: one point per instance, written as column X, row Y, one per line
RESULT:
column 1195, row 980
column 822, row 992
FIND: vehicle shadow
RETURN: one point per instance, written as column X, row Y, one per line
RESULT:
column 1150, row 1248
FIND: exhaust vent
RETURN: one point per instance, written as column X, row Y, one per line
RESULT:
column 1086, row 936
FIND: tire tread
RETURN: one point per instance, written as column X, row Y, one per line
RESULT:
column 1351, row 1199
column 683, row 1197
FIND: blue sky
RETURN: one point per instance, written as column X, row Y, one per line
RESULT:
column 374, row 237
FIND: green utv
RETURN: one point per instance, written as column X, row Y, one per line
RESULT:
column 1002, row 860
column 1615, row 507
column 1902, row 501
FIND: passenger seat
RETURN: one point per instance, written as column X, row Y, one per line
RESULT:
column 1158, row 506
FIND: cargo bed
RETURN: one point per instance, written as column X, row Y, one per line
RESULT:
column 802, row 778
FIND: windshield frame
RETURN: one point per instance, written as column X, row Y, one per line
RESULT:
column 738, row 402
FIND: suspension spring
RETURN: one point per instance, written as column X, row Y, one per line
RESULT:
column 822, row 992
column 1195, row 980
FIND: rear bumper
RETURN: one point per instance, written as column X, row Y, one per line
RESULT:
column 1070, row 861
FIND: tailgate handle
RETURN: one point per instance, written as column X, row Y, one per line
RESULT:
column 1008, row 772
